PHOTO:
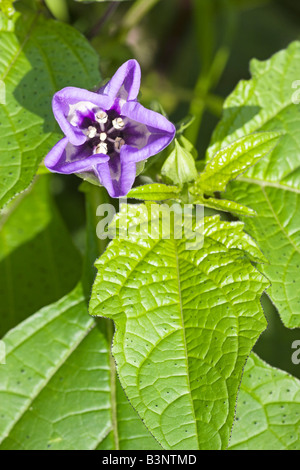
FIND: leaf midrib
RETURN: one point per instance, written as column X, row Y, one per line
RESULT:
column 214, row 172
column 271, row 184
column 22, row 45
column 184, row 339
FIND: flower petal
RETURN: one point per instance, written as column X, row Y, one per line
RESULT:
column 158, row 133
column 81, row 111
column 117, row 176
column 70, row 96
column 126, row 82
column 65, row 158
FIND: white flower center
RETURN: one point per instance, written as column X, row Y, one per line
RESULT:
column 106, row 135
column 101, row 148
column 101, row 117
column 118, row 123
column 104, row 132
column 91, row 132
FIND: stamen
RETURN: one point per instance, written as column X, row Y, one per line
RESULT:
column 101, row 117
column 101, row 148
column 119, row 142
column 91, row 132
column 112, row 129
column 118, row 123
column 103, row 136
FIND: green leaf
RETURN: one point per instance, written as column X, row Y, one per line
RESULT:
column 38, row 261
column 38, row 57
column 132, row 433
column 59, row 9
column 271, row 187
column 185, row 323
column 57, row 389
column 154, row 192
column 224, row 205
column 6, row 6
column 180, row 165
column 233, row 160
column 188, row 146
column 268, row 411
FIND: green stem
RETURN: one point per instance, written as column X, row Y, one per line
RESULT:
column 96, row 29
column 212, row 65
column 135, row 14
column 95, row 247
column 202, row 92
column 205, row 32
column 94, row 197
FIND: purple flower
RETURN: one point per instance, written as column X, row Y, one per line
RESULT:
column 107, row 132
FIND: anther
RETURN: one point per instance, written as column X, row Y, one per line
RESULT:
column 118, row 123
column 101, row 117
column 101, row 148
column 119, row 142
column 91, row 132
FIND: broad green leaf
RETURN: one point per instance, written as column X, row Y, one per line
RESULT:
column 2, row 353
column 180, row 165
column 276, row 228
column 58, row 390
column 132, row 434
column 234, row 160
column 271, row 187
column 38, row 57
column 154, row 192
column 38, row 261
column 224, row 205
column 268, row 411
column 185, row 323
